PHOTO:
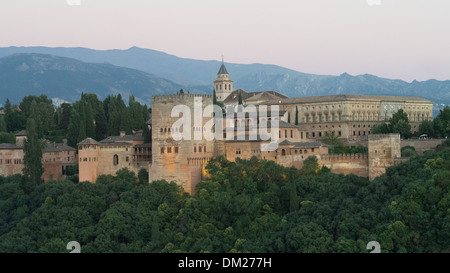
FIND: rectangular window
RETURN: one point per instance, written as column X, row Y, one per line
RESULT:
column 312, row 150
column 169, row 149
column 292, row 134
column 204, row 149
column 200, row 149
column 176, row 150
column 162, row 150
column 195, row 149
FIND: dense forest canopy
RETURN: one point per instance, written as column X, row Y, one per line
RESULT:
column 87, row 117
column 243, row 206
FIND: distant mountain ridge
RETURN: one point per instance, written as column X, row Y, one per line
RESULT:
column 198, row 75
column 64, row 79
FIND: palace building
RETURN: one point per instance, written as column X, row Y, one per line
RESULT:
column 300, row 122
column 351, row 117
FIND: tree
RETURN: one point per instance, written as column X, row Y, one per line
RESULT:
column 296, row 115
column 64, row 113
column 408, row 151
column 426, row 127
column 240, row 99
column 2, row 123
column 442, row 122
column 143, row 176
column 32, row 159
column 289, row 117
column 310, row 165
column 331, row 138
column 40, row 108
column 382, row 128
column 293, row 199
column 73, row 129
column 403, row 128
column 214, row 96
column 399, row 123
column 117, row 115
column 15, row 120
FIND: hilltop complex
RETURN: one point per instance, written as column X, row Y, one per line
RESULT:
column 301, row 123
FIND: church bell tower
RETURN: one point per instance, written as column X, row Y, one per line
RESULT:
column 223, row 85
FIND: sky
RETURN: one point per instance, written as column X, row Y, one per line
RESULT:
column 397, row 39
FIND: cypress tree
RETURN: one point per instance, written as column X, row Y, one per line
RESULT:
column 296, row 115
column 7, row 116
column 155, row 229
column 293, row 200
column 32, row 154
column 214, row 97
column 2, row 124
column 240, row 99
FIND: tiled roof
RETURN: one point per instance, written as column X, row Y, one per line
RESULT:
column 22, row 133
column 9, row 146
column 123, row 138
column 249, row 97
column 115, row 144
column 302, row 144
column 88, row 141
column 222, row 70
column 57, row 147
column 333, row 98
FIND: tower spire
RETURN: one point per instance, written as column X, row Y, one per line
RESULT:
column 223, row 85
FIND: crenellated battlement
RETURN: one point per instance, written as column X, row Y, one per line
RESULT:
column 335, row 157
column 179, row 97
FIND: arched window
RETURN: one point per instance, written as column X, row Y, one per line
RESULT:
column 115, row 159
column 283, row 152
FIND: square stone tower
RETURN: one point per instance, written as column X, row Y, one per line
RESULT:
column 383, row 150
column 182, row 160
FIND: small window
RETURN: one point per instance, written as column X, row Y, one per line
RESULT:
column 169, row 150
column 176, row 149
column 116, row 159
column 162, row 150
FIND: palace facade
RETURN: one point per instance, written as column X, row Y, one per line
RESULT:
column 302, row 123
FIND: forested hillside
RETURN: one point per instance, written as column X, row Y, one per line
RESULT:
column 247, row 206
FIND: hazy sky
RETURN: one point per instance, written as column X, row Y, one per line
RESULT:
column 401, row 39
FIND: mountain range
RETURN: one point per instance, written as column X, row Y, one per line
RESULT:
column 63, row 73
